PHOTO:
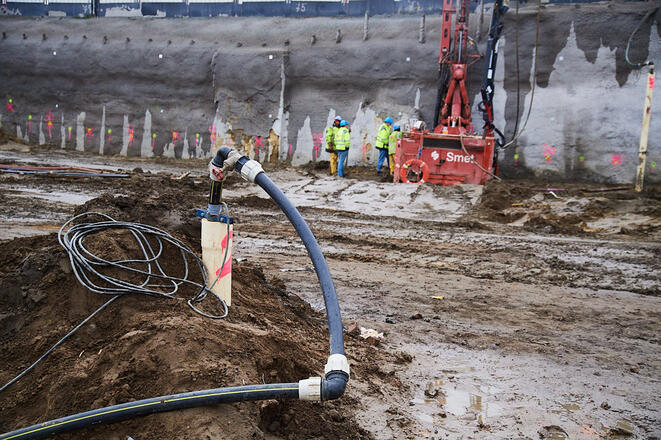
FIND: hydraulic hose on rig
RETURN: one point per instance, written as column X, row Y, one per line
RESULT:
column 332, row 386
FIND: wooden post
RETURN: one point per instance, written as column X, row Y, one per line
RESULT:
column 644, row 132
column 214, row 242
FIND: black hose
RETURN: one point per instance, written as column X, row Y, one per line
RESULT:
column 318, row 260
column 138, row 408
column 57, row 344
column 626, row 51
column 314, row 251
column 518, row 79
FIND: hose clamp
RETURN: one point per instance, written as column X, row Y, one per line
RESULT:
column 250, row 170
column 310, row 389
column 229, row 163
column 337, row 362
column 215, row 173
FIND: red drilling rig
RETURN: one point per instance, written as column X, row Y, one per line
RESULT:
column 453, row 153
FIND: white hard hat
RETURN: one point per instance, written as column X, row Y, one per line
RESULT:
column 338, row 118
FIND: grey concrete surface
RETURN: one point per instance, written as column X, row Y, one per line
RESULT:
column 181, row 87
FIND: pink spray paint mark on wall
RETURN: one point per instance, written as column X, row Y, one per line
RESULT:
column 212, row 133
column 10, row 106
column 363, row 150
column 109, row 132
column 131, row 135
column 225, row 269
column 549, row 152
column 29, row 123
column 69, row 133
column 259, row 142
column 89, row 133
column 317, row 142
column 616, row 159
column 153, row 140
column 197, row 139
column 289, row 153
column 49, row 122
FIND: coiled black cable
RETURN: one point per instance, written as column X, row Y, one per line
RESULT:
column 626, row 51
column 54, row 346
column 87, row 267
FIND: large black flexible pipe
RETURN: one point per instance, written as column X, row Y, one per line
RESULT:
column 157, row 404
column 332, row 387
column 310, row 242
column 318, row 260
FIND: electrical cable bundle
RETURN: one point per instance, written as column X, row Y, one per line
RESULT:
column 88, row 266
column 89, row 269
column 647, row 62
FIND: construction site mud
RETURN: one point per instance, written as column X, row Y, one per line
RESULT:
column 519, row 310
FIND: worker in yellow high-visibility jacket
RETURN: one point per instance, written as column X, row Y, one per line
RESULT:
column 342, row 144
column 330, row 144
column 392, row 147
column 381, row 144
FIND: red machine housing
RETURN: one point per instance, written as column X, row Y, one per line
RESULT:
column 444, row 162
column 452, row 153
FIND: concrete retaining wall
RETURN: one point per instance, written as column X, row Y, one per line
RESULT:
column 269, row 86
column 216, row 8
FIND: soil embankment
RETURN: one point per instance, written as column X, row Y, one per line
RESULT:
column 521, row 309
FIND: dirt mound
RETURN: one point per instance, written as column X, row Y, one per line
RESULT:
column 6, row 137
column 498, row 196
column 142, row 347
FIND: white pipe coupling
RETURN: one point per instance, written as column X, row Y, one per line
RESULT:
column 337, row 362
column 310, row 389
column 250, row 170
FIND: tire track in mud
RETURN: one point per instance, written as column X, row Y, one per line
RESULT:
column 526, row 336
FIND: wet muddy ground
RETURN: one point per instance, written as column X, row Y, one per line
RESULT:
column 527, row 310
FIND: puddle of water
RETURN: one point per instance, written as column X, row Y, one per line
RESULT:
column 459, row 402
column 69, row 198
column 441, row 397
